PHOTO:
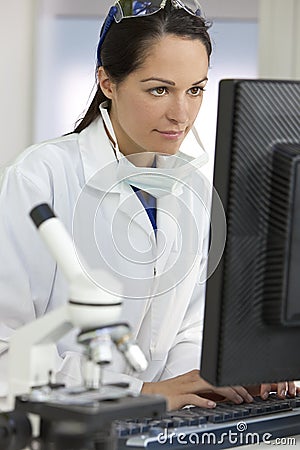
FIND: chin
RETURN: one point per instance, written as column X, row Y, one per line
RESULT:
column 167, row 149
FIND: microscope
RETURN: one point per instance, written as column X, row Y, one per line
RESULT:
column 74, row 418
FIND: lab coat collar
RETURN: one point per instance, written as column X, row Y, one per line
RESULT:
column 98, row 157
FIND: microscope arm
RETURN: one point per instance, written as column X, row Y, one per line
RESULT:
column 33, row 356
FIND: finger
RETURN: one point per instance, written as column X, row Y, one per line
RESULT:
column 281, row 389
column 196, row 400
column 291, row 388
column 180, row 401
column 243, row 392
column 230, row 394
column 265, row 390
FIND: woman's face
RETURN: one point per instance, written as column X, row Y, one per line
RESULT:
column 155, row 106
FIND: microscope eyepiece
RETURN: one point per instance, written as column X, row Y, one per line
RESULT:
column 41, row 213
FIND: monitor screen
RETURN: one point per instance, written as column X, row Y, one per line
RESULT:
column 252, row 309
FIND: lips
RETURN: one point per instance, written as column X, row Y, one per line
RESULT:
column 171, row 134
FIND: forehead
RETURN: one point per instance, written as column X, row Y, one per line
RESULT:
column 175, row 57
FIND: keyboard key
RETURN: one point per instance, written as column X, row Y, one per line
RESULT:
column 180, row 422
column 167, row 423
column 144, row 427
column 197, row 420
column 216, row 418
column 155, row 431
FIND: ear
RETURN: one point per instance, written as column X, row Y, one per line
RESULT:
column 105, row 83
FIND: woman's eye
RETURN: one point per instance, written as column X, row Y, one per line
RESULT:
column 159, row 91
column 196, row 90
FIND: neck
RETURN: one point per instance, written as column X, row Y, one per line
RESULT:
column 129, row 149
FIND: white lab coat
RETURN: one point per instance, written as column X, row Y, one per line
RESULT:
column 165, row 311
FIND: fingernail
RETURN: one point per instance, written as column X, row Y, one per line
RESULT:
column 238, row 399
column 265, row 395
column 211, row 404
column 282, row 393
column 249, row 398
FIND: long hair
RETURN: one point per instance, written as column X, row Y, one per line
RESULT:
column 128, row 43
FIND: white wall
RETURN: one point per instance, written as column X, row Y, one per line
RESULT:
column 222, row 9
column 65, row 73
column 279, row 35
column 17, row 31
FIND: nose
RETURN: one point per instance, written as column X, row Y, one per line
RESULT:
column 178, row 111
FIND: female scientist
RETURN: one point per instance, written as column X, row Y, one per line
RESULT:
column 135, row 205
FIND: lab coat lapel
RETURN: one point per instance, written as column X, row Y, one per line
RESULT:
column 95, row 149
column 170, row 304
column 131, row 206
column 167, row 229
column 167, row 210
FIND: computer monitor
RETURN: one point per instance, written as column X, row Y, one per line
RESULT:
column 252, row 311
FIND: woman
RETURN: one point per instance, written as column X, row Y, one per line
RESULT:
column 151, row 72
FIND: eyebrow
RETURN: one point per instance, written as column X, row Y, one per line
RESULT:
column 171, row 83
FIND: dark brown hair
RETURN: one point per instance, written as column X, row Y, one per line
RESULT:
column 127, row 44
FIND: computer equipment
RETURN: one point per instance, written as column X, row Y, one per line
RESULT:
column 252, row 312
column 227, row 426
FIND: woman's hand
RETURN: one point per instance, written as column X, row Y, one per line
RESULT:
column 191, row 389
column 282, row 389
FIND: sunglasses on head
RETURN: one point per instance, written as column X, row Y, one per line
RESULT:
column 123, row 9
column 133, row 8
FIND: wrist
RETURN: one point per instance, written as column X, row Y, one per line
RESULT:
column 147, row 388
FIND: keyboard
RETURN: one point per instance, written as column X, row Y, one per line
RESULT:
column 228, row 425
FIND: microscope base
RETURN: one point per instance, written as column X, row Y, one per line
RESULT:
column 90, row 426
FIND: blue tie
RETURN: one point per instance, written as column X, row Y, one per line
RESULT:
column 149, row 205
